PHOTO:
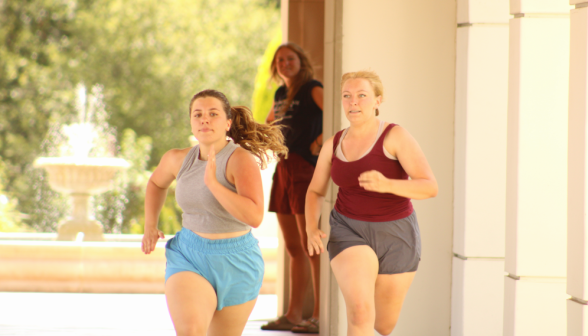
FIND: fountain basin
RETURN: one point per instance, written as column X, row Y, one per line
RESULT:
column 81, row 177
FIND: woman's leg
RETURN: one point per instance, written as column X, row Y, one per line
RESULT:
column 298, row 269
column 315, row 264
column 191, row 301
column 391, row 290
column 231, row 320
column 356, row 270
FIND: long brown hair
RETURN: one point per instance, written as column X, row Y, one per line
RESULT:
column 305, row 74
column 254, row 137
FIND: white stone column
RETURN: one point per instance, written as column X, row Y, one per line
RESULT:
column 536, row 210
column 577, row 266
column 411, row 45
column 480, row 167
column 332, row 312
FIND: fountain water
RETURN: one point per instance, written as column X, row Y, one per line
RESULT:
column 85, row 165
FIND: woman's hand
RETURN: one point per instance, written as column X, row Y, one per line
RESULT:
column 315, row 244
column 210, row 172
column 373, row 180
column 150, row 238
column 315, row 148
column 316, row 145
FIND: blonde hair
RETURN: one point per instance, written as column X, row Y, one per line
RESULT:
column 369, row 75
column 250, row 135
column 304, row 75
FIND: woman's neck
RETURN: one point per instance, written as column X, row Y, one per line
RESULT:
column 205, row 148
column 364, row 129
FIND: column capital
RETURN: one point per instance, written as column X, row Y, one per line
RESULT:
column 539, row 6
column 579, row 3
column 482, row 11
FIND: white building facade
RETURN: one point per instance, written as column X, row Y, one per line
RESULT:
column 496, row 94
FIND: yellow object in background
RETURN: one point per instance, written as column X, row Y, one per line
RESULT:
column 265, row 88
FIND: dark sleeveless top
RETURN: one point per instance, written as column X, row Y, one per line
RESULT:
column 357, row 203
column 303, row 120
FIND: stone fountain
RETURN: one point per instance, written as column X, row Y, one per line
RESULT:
column 84, row 167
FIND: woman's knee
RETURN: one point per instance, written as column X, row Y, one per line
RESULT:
column 360, row 313
column 189, row 329
column 385, row 328
column 295, row 250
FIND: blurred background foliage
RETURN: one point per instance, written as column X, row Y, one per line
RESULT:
column 150, row 56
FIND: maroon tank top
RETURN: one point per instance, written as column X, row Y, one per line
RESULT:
column 357, row 203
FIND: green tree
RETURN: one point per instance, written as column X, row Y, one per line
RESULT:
column 150, row 56
column 119, row 208
column 10, row 218
column 34, row 46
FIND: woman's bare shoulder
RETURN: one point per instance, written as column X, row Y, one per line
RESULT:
column 329, row 142
column 242, row 154
column 396, row 132
column 174, row 158
column 177, row 154
column 240, row 157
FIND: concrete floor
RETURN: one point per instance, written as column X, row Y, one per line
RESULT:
column 45, row 314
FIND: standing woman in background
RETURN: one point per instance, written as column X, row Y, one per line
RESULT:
column 298, row 106
column 214, row 266
column 375, row 244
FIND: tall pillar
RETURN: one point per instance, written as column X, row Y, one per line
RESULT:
column 480, row 167
column 332, row 313
column 577, row 266
column 536, row 208
column 305, row 26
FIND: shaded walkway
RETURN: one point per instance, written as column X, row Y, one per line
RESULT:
column 45, row 314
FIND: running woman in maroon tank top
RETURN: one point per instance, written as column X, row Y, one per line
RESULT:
column 374, row 245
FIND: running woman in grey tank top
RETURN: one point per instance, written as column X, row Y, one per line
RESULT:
column 214, row 266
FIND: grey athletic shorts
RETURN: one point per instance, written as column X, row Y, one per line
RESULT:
column 396, row 243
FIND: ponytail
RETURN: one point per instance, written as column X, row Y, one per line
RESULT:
column 259, row 139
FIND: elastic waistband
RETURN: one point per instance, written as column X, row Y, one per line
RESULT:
column 411, row 217
column 217, row 246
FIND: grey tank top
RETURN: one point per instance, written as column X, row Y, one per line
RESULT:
column 201, row 211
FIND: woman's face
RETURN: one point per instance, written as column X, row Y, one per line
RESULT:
column 208, row 120
column 359, row 100
column 287, row 63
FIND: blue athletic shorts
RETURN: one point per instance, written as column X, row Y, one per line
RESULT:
column 234, row 266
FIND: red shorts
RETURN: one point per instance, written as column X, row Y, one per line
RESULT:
column 290, row 183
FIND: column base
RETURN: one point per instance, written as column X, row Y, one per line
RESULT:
column 477, row 297
column 577, row 318
column 534, row 306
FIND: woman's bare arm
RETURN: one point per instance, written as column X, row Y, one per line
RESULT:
column 422, row 183
column 315, row 197
column 271, row 115
column 246, row 204
column 317, row 96
column 156, row 192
